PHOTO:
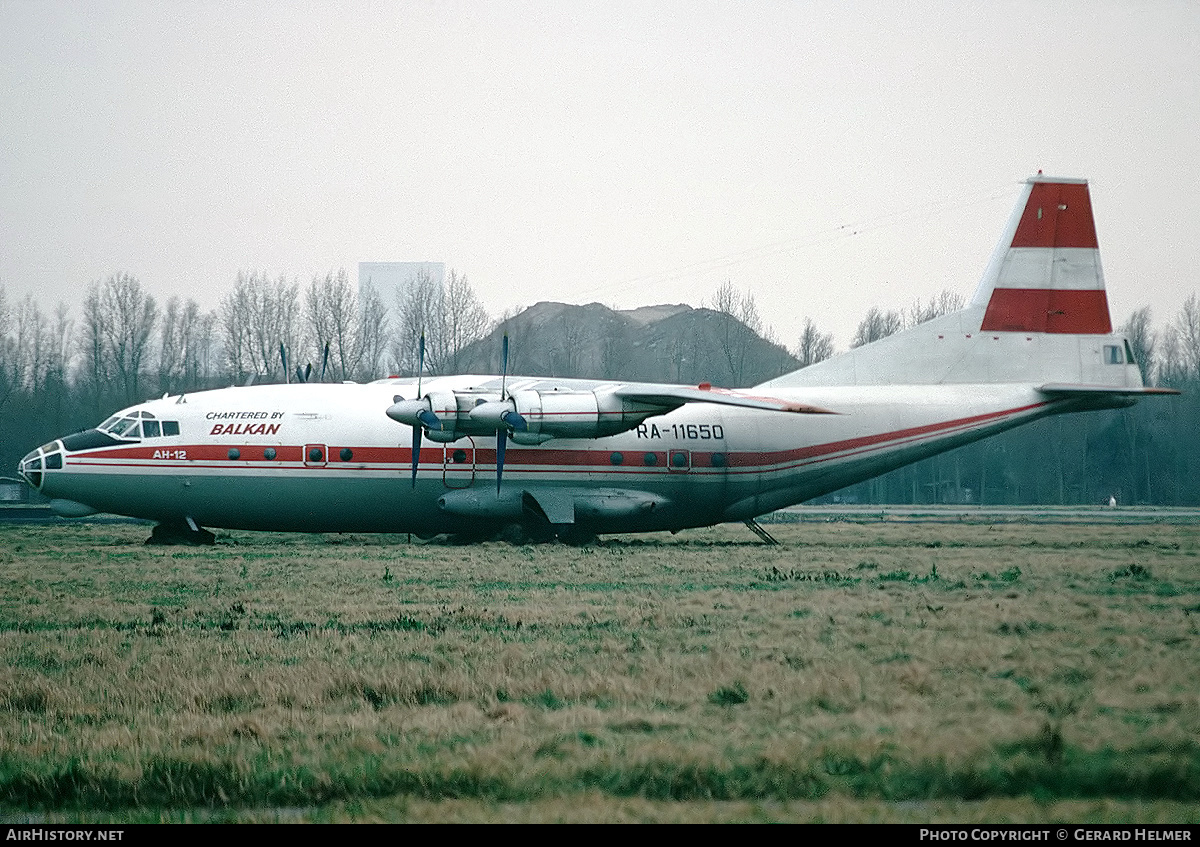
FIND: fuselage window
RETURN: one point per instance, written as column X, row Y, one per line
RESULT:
column 150, row 429
column 1112, row 355
column 170, row 427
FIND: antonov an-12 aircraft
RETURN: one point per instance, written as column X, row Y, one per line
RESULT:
column 483, row 455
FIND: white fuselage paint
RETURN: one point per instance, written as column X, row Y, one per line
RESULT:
column 764, row 460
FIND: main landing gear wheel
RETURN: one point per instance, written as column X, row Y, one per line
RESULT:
column 531, row 532
column 573, row 536
column 181, row 533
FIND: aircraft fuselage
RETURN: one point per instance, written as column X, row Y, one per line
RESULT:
column 324, row 458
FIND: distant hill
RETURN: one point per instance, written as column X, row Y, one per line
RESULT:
column 667, row 343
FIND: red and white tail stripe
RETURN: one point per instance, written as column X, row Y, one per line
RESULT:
column 1049, row 278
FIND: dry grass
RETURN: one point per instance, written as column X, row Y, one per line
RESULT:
column 880, row 672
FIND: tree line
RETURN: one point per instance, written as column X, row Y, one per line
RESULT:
column 60, row 372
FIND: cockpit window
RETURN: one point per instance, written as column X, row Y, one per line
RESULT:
column 138, row 424
column 125, row 428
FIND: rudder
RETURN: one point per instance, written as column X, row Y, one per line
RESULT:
column 1046, row 274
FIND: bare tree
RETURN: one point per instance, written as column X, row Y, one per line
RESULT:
column 201, row 367
column 737, row 334
column 30, row 351
column 417, row 312
column 814, row 346
column 8, row 353
column 335, row 320
column 571, row 341
column 60, row 353
column 943, row 303
column 876, row 325
column 1142, row 339
column 1187, row 327
column 256, row 318
column 374, row 332
column 95, row 373
column 119, row 323
column 1171, row 367
column 464, row 321
column 616, row 357
column 450, row 317
column 170, row 346
column 185, row 338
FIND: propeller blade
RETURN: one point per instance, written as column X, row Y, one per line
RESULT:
column 504, row 367
column 307, row 372
column 501, row 443
column 429, row 420
column 283, row 359
column 425, row 418
column 420, row 362
column 324, row 361
column 416, row 453
column 514, row 421
column 299, row 374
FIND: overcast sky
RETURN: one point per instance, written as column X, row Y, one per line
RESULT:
column 825, row 156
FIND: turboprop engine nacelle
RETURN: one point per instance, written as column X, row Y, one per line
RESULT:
column 578, row 414
column 542, row 414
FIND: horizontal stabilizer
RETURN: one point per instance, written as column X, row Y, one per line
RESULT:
column 1062, row 389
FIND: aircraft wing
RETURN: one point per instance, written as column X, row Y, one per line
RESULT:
column 673, row 396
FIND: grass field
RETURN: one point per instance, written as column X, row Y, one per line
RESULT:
column 882, row 672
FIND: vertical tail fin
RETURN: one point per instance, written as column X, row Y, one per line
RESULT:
column 1039, row 316
column 1045, row 275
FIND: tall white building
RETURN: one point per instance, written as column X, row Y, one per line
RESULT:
column 387, row 278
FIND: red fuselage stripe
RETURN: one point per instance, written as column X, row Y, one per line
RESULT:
column 291, row 457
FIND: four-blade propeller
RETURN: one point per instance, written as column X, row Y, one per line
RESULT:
column 417, row 414
column 501, row 415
